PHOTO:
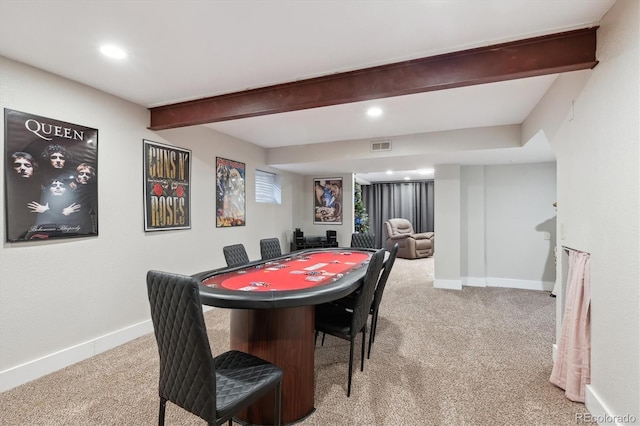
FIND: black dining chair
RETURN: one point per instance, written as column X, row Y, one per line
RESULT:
column 377, row 297
column 363, row 240
column 212, row 388
column 270, row 248
column 349, row 301
column 346, row 323
column 235, row 255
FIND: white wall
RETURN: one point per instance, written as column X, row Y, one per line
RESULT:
column 472, row 227
column 598, row 207
column 519, row 211
column 446, row 226
column 62, row 301
column 410, row 149
column 506, row 215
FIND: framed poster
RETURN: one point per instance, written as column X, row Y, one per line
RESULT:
column 327, row 207
column 167, row 195
column 51, row 178
column 230, row 196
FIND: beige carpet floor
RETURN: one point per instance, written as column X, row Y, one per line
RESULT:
column 480, row 356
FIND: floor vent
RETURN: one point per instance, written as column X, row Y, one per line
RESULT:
column 381, row 146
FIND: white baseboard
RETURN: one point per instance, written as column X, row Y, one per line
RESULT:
column 474, row 281
column 600, row 413
column 520, row 284
column 507, row 283
column 32, row 370
column 493, row 282
column 23, row 373
column 447, row 284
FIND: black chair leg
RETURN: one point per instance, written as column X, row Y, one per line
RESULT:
column 364, row 332
column 277, row 420
column 372, row 332
column 350, row 368
column 315, row 341
column 374, row 326
column 163, row 406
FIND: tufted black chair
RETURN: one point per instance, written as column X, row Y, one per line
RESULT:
column 377, row 298
column 349, row 301
column 363, row 240
column 213, row 388
column 270, row 248
column 348, row 323
column 235, row 255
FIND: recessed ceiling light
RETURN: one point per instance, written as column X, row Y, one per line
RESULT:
column 389, row 172
column 374, row 112
column 425, row 171
column 407, row 178
column 113, row 51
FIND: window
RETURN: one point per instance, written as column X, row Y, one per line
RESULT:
column 267, row 187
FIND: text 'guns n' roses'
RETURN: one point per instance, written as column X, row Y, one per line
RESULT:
column 167, row 169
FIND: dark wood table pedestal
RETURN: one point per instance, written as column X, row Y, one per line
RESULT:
column 284, row 337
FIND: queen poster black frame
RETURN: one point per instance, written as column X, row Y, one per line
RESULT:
column 51, row 178
column 167, row 187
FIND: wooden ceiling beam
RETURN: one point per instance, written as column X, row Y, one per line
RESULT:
column 550, row 54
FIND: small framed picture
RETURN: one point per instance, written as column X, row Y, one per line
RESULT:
column 230, row 193
column 327, row 206
column 167, row 190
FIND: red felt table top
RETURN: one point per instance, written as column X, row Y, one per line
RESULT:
column 292, row 273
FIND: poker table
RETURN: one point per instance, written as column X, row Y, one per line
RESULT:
column 273, row 315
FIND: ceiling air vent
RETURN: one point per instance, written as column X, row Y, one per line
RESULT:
column 381, row 146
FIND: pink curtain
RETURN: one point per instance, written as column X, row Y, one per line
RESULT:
column 572, row 370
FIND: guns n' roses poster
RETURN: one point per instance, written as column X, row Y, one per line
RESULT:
column 51, row 178
column 230, row 200
column 167, row 197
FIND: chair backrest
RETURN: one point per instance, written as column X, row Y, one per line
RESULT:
column 364, row 297
column 382, row 282
column 363, row 240
column 235, row 255
column 270, row 248
column 187, row 370
column 398, row 226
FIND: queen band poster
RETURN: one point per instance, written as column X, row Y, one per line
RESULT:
column 230, row 193
column 167, row 192
column 51, row 178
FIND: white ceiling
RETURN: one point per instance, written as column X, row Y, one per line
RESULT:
column 196, row 48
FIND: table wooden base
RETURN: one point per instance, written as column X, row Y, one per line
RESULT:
column 284, row 337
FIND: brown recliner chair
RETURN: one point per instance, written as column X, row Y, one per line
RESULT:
column 410, row 244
